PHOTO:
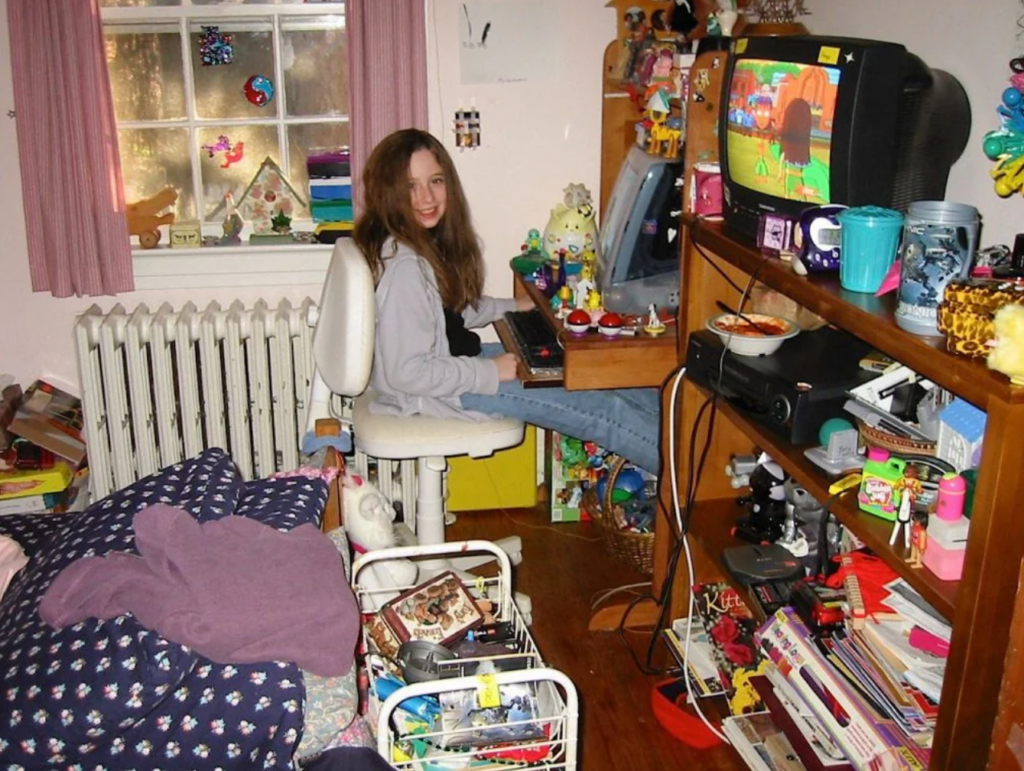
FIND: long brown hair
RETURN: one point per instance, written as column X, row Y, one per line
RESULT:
column 451, row 247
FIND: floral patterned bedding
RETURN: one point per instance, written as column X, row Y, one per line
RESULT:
column 113, row 695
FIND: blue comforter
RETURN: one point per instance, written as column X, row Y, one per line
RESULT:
column 113, row 695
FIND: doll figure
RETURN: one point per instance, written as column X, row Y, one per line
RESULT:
column 918, row 540
column 584, row 286
column 912, row 489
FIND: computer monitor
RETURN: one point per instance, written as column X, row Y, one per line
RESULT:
column 811, row 120
column 638, row 243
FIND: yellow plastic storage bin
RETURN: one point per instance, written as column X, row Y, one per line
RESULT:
column 507, row 479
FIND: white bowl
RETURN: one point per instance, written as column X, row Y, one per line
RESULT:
column 742, row 339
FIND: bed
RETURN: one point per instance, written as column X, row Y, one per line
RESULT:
column 112, row 694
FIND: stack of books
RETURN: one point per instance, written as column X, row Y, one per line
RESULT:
column 860, row 698
column 330, row 193
column 42, row 460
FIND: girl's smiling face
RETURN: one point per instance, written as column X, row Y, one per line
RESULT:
column 427, row 190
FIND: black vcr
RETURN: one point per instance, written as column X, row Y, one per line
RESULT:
column 792, row 391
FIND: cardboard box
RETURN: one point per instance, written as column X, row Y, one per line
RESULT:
column 576, row 466
column 505, row 480
column 15, row 484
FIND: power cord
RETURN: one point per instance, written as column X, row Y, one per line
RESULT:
column 682, row 513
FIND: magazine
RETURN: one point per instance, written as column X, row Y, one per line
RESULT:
column 700, row 666
column 52, row 419
column 731, row 627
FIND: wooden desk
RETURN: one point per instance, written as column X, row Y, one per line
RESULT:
column 594, row 361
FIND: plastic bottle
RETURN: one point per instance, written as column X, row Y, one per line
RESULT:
column 948, row 530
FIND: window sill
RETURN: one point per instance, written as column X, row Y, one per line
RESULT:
column 230, row 266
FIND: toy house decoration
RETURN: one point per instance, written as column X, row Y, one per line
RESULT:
column 267, row 196
column 961, row 429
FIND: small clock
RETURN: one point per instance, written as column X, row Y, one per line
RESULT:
column 818, row 237
column 775, row 233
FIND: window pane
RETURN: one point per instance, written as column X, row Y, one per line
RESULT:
column 136, row 3
column 304, row 137
column 257, row 143
column 152, row 159
column 315, row 65
column 146, row 74
column 220, row 89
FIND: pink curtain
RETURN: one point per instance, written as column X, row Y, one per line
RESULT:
column 387, row 44
column 67, row 146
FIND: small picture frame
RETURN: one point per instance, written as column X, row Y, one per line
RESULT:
column 440, row 610
column 775, row 234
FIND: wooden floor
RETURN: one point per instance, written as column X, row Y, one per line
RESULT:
column 565, row 568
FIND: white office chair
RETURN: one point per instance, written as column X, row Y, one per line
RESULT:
column 343, row 343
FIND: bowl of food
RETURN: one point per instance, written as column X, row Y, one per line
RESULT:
column 753, row 334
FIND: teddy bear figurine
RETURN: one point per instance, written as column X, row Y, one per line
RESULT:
column 370, row 524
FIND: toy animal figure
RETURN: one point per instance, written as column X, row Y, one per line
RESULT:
column 369, row 522
column 1007, row 355
column 572, row 228
column 144, row 216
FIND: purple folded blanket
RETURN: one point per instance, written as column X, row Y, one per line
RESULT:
column 234, row 590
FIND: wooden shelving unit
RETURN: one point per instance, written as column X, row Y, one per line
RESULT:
column 980, row 604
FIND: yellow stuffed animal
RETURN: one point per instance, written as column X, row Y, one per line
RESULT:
column 1007, row 355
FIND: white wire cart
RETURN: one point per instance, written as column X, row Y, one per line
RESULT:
column 503, row 718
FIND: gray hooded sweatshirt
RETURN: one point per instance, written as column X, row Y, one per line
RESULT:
column 413, row 369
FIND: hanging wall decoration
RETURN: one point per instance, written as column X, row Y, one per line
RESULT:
column 259, row 90
column 214, row 47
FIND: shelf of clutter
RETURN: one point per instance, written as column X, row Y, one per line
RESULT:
column 970, row 577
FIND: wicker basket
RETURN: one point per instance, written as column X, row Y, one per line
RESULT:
column 897, row 445
column 635, row 549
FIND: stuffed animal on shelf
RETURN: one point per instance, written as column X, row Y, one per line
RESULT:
column 1007, row 355
column 370, row 524
column 144, row 216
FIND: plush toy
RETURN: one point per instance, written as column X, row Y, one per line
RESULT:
column 369, row 522
column 572, row 226
column 1007, row 355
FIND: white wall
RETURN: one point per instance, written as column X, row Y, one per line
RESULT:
column 537, row 137
column 972, row 41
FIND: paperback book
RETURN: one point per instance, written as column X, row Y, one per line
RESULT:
column 699, row 662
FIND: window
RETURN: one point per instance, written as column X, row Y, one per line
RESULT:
column 206, row 128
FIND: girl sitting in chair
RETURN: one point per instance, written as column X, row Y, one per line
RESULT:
column 418, row 238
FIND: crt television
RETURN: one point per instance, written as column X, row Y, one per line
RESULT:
column 812, row 120
column 638, row 241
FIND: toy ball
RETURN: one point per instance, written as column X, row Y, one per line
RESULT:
column 578, row 322
column 831, row 426
column 610, row 324
column 259, row 90
column 629, row 484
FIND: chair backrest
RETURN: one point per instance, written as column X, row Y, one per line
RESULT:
column 344, row 334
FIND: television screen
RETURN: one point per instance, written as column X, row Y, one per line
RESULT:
column 810, row 120
column 779, row 129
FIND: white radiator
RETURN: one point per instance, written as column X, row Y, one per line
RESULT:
column 161, row 387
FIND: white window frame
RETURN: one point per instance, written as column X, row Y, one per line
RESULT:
column 227, row 266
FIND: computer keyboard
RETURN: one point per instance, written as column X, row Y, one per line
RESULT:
column 537, row 341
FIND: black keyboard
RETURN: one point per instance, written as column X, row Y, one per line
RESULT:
column 537, row 341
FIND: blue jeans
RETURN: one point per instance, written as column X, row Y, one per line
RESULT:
column 624, row 421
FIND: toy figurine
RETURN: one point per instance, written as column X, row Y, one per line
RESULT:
column 232, row 224
column 918, row 540
column 655, row 326
column 767, row 502
column 912, row 489
column 584, row 286
column 564, row 298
